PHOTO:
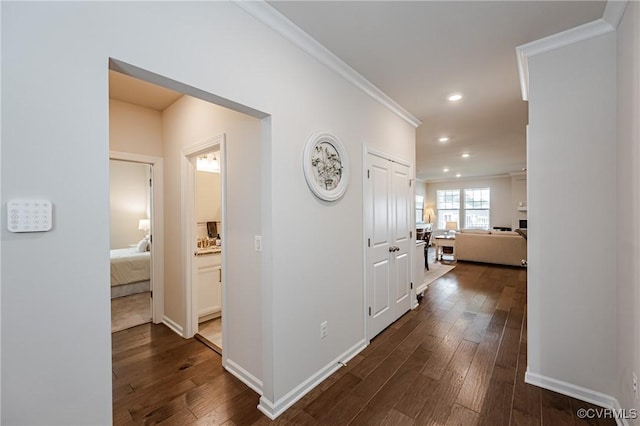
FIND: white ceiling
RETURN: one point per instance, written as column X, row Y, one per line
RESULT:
column 418, row 52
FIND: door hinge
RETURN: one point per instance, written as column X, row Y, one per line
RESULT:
column 369, row 310
column 410, row 182
column 368, row 176
column 152, row 294
column 150, row 182
column 151, row 239
column 368, row 242
column 410, row 234
column 411, row 286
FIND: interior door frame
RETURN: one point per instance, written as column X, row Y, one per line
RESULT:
column 366, row 151
column 189, row 229
column 157, row 226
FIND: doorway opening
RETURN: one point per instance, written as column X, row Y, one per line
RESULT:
column 179, row 123
column 131, row 248
column 205, row 214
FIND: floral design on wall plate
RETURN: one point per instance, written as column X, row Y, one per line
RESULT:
column 326, row 166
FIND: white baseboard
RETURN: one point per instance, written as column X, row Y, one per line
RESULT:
column 575, row 391
column 177, row 328
column 243, row 375
column 422, row 288
column 272, row 410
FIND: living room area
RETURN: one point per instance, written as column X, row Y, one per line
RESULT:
column 480, row 219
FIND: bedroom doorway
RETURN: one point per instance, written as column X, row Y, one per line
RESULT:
column 134, row 262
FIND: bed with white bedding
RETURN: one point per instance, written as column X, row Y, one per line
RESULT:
column 130, row 271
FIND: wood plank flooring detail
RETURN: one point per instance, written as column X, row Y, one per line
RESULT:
column 458, row 359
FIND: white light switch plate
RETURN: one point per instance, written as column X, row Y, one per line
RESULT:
column 29, row 215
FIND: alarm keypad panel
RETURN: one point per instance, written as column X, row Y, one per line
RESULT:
column 29, row 215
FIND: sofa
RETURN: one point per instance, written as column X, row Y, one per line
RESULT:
column 499, row 247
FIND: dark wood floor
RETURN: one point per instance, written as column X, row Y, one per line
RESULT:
column 458, row 359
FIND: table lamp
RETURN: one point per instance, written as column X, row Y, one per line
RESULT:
column 451, row 227
column 144, row 225
column 428, row 213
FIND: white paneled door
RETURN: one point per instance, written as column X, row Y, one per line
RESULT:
column 388, row 227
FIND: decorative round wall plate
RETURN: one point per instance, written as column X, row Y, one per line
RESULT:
column 326, row 166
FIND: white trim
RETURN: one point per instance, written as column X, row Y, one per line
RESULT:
column 556, row 41
column 273, row 410
column 290, row 31
column 575, row 391
column 613, row 12
column 386, row 156
column 189, row 236
column 157, row 226
column 174, row 326
column 365, row 246
column 222, row 143
column 243, row 375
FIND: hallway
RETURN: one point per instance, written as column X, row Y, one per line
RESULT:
column 459, row 358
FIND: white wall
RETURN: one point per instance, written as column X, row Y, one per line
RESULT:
column 501, row 204
column 129, row 201
column 572, row 258
column 628, row 253
column 420, row 188
column 208, row 208
column 134, row 129
column 518, row 195
column 215, row 47
column 187, row 122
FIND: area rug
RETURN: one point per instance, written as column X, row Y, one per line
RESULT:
column 436, row 270
column 129, row 311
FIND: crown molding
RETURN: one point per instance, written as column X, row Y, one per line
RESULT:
column 279, row 23
column 556, row 41
column 613, row 12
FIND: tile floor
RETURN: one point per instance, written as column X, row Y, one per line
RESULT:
column 210, row 333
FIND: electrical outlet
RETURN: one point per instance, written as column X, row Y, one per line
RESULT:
column 324, row 329
column 634, row 383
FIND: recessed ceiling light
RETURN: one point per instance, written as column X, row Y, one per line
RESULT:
column 443, row 139
column 454, row 97
column 445, row 170
column 458, row 175
column 465, row 155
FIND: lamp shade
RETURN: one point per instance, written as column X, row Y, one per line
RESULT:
column 144, row 224
column 428, row 213
column 451, row 226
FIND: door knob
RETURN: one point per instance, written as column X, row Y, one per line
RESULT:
column 392, row 249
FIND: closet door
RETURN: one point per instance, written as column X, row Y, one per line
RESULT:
column 378, row 215
column 388, row 223
column 401, row 265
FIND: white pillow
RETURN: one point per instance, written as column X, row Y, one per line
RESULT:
column 142, row 245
